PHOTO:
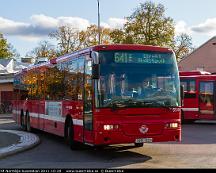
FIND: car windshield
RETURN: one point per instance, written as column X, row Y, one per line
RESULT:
column 137, row 79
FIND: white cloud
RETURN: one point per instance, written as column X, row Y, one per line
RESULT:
column 31, row 38
column 208, row 27
column 41, row 25
column 44, row 21
column 105, row 25
column 75, row 22
column 181, row 27
column 116, row 23
column 11, row 27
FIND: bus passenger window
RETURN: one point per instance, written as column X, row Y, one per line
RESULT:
column 184, row 84
column 192, row 86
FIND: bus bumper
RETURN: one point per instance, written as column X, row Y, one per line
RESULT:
column 108, row 138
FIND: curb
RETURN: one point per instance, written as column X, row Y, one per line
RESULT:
column 27, row 141
column 206, row 121
column 5, row 116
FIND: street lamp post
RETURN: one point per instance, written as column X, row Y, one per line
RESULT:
column 99, row 34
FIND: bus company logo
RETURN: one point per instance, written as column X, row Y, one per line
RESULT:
column 143, row 129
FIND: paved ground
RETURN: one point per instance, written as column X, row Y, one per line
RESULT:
column 197, row 150
column 14, row 141
column 8, row 139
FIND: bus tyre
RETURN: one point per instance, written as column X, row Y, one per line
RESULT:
column 28, row 123
column 69, row 135
column 182, row 117
column 138, row 144
column 22, row 121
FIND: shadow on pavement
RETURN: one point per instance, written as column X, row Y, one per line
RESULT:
column 119, row 153
column 113, row 155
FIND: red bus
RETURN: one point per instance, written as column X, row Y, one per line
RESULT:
column 102, row 95
column 199, row 95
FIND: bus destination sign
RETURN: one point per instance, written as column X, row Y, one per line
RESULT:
column 141, row 58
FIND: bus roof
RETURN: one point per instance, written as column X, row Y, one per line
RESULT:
column 209, row 77
column 100, row 48
column 203, row 76
column 193, row 73
column 130, row 47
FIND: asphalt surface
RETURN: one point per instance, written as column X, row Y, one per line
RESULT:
column 14, row 141
column 196, row 150
column 7, row 139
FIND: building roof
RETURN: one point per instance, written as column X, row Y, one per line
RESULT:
column 197, row 49
column 5, row 62
column 10, row 66
column 203, row 58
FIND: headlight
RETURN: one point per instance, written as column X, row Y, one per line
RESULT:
column 108, row 127
column 172, row 125
column 111, row 127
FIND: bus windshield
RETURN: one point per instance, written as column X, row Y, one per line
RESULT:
column 137, row 79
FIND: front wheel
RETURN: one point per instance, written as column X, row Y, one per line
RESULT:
column 69, row 135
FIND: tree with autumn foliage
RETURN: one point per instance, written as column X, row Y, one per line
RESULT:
column 147, row 25
column 67, row 39
column 70, row 39
column 182, row 45
column 44, row 49
column 89, row 37
column 6, row 49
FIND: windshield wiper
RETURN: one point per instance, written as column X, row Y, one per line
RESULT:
column 114, row 106
column 152, row 103
column 118, row 103
column 155, row 103
column 122, row 103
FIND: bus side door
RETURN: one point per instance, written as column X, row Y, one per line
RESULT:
column 88, row 96
column 206, row 98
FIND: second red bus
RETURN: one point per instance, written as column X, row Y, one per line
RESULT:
column 199, row 96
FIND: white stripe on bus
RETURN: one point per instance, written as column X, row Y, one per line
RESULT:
column 190, row 109
column 52, row 118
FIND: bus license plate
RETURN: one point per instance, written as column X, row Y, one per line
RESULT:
column 143, row 140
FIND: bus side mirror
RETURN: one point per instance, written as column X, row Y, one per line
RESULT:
column 182, row 94
column 95, row 57
column 95, row 67
column 95, row 71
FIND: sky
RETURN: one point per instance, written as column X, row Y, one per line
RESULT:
column 24, row 23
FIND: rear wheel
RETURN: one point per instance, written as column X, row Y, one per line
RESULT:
column 69, row 135
column 23, row 120
column 182, row 117
column 28, row 124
